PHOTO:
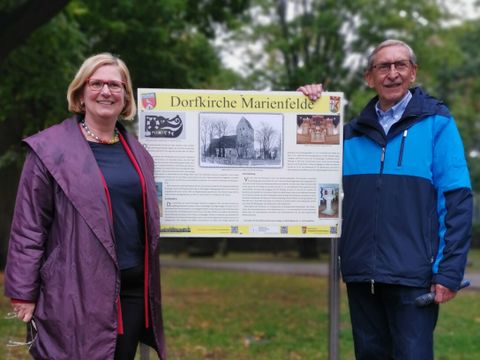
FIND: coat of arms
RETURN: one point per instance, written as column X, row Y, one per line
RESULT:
column 149, row 101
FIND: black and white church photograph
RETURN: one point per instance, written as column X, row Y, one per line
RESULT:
column 241, row 140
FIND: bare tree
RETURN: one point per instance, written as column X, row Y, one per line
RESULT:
column 279, row 145
column 221, row 128
column 266, row 138
column 205, row 135
column 210, row 129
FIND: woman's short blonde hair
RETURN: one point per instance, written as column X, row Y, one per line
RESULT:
column 89, row 66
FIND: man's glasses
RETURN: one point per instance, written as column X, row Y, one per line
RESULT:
column 400, row 66
column 113, row 85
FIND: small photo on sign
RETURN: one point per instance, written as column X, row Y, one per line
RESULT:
column 328, row 195
column 318, row 129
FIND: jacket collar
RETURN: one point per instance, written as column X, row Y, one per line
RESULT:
column 420, row 106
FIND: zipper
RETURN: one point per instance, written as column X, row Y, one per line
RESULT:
column 402, row 145
column 382, row 159
column 379, row 185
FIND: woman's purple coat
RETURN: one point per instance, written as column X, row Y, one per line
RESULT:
column 62, row 247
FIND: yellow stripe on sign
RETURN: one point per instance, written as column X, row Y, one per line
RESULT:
column 257, row 103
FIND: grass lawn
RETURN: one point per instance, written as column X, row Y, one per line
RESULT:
column 212, row 315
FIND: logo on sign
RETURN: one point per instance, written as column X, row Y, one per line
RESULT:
column 162, row 127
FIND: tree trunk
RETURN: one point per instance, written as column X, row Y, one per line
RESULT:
column 21, row 21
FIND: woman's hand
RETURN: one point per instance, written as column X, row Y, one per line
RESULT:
column 23, row 310
column 313, row 91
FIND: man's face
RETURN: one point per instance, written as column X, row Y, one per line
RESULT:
column 391, row 75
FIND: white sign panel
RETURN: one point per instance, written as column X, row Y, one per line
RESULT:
column 244, row 163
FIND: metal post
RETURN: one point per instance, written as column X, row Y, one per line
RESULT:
column 333, row 301
column 144, row 352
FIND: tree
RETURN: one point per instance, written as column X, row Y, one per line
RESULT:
column 222, row 127
column 164, row 43
column 32, row 96
column 266, row 137
column 206, row 134
column 300, row 42
column 22, row 18
column 456, row 79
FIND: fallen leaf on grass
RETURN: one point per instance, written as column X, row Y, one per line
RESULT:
column 257, row 338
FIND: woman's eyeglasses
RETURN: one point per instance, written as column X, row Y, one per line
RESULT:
column 113, row 85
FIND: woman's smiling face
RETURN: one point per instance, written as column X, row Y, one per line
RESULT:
column 104, row 105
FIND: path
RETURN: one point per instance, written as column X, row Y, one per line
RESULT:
column 287, row 268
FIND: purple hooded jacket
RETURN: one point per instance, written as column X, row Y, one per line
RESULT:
column 62, row 248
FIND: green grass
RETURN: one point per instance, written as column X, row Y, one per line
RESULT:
column 10, row 329
column 212, row 315
column 231, row 315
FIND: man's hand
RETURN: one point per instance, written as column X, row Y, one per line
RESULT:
column 442, row 294
column 313, row 91
column 24, row 311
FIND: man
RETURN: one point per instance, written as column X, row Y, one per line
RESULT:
column 407, row 209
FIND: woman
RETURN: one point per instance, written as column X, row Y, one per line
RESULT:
column 82, row 264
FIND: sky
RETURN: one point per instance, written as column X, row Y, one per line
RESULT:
column 465, row 8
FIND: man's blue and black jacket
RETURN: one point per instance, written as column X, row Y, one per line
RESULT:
column 407, row 208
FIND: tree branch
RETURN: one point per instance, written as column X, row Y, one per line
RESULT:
column 18, row 23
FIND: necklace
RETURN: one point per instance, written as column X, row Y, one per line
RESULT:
column 101, row 141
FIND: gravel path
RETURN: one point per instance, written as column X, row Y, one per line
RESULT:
column 287, row 268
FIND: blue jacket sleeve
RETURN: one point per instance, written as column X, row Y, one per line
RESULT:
column 454, row 204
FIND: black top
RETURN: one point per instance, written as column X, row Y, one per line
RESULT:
column 125, row 191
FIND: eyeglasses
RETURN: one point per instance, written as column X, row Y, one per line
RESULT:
column 400, row 66
column 113, row 85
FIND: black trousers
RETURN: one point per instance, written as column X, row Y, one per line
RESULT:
column 133, row 312
column 387, row 324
